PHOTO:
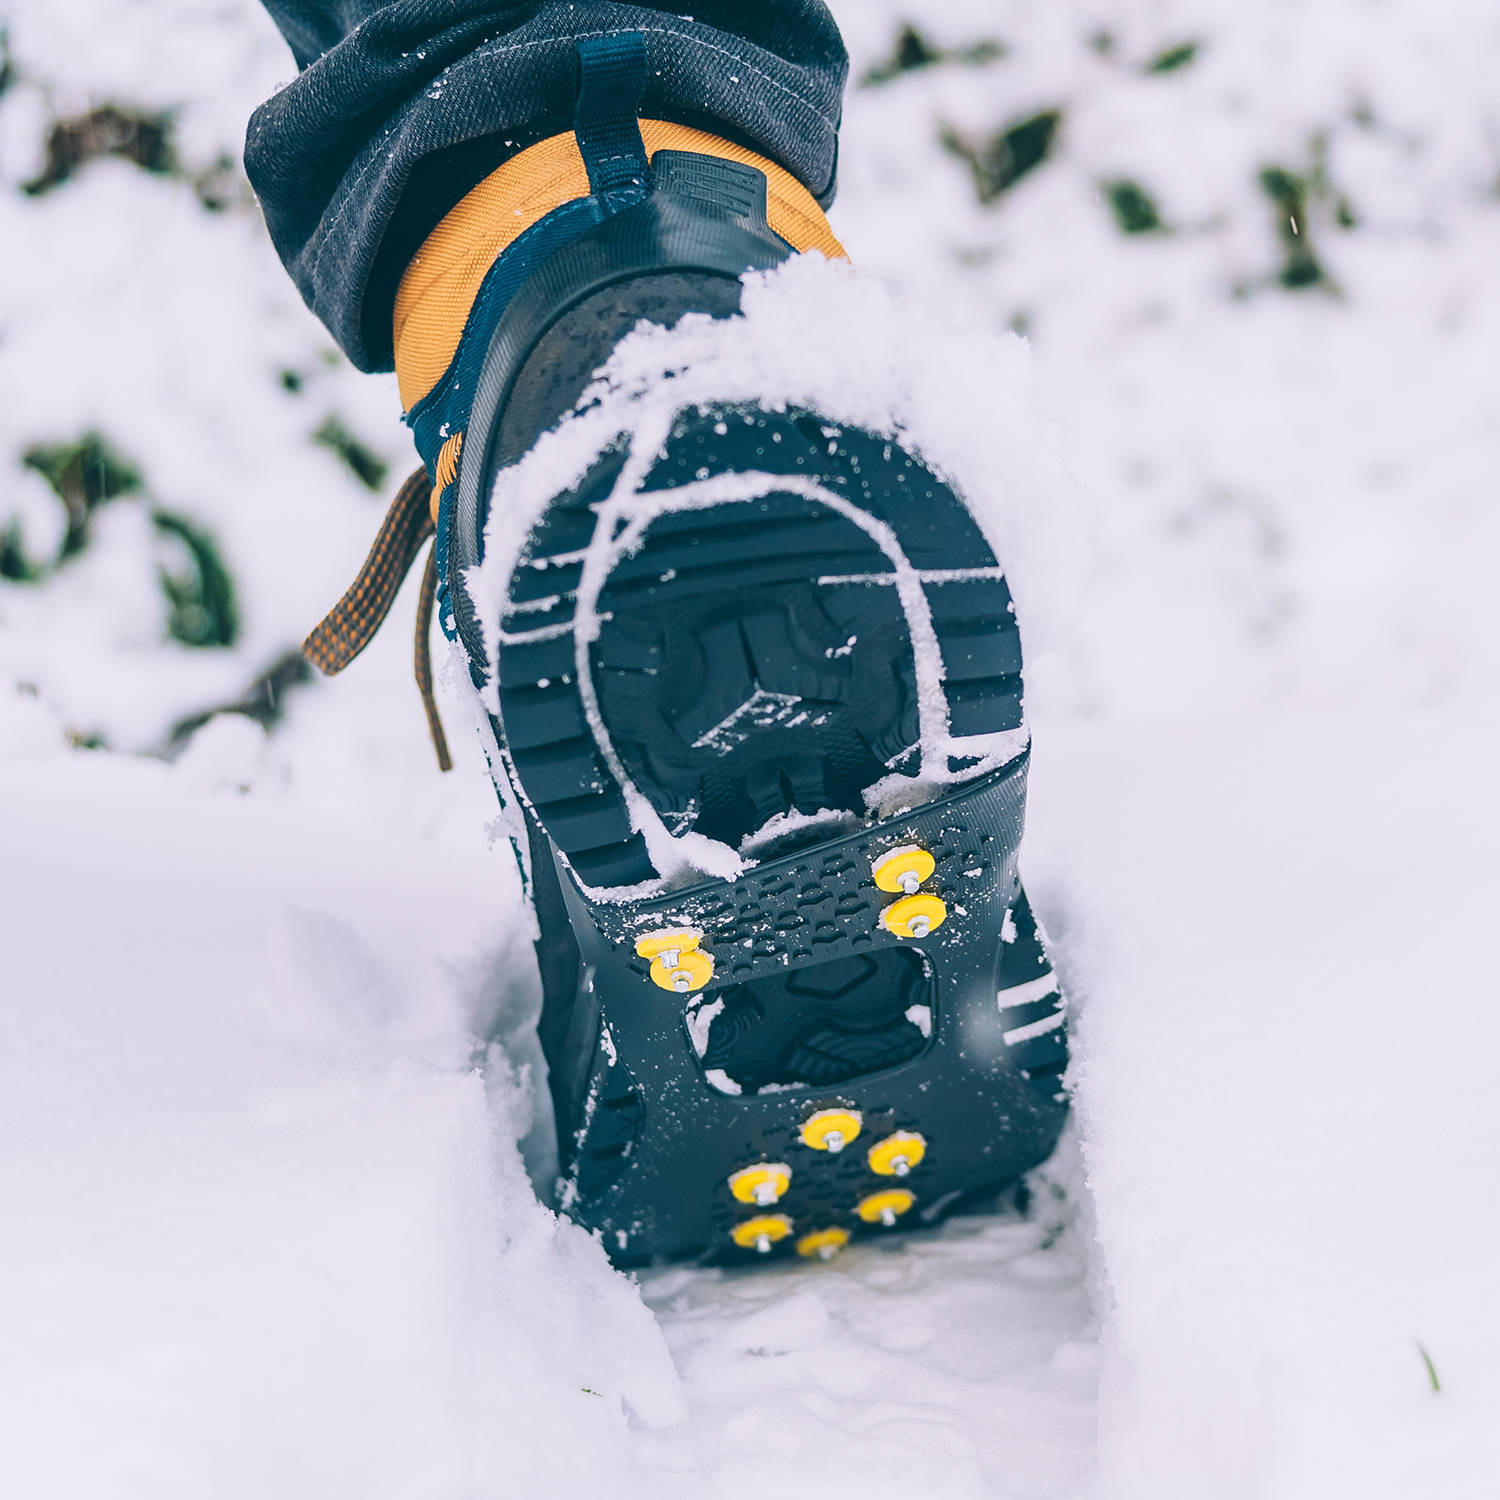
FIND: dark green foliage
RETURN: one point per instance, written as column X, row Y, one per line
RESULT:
column 291, row 381
column 201, row 595
column 1134, row 208
column 1008, row 155
column 7, row 71
column 109, row 130
column 1173, row 58
column 84, row 473
column 368, row 467
column 1289, row 193
column 131, row 135
column 263, row 700
column 15, row 566
column 1321, row 190
column 914, row 51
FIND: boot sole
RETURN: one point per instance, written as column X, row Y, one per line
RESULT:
column 756, row 661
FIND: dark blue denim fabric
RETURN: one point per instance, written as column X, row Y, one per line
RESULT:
column 401, row 107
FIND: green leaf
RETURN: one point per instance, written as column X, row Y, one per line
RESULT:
column 83, row 474
column 1007, row 156
column 1289, row 193
column 913, row 52
column 200, row 596
column 1134, row 208
column 1173, row 58
column 367, row 466
column 15, row 566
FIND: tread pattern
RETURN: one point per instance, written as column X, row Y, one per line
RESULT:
column 751, row 660
column 821, row 1025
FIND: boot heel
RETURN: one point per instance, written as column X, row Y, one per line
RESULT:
column 935, row 1047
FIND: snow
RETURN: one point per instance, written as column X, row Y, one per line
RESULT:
column 700, row 1019
column 793, row 826
column 268, row 1088
column 952, row 1367
column 1285, row 1092
column 268, row 1226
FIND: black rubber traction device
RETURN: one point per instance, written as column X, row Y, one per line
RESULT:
column 753, row 664
column 657, row 1136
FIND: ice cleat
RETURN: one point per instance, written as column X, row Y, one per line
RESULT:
column 897, row 1154
column 820, row 1030
column 676, row 962
column 830, row 1129
column 823, row 1244
column 761, row 1234
column 762, row 1184
column 902, row 871
column 886, row 1206
column 784, row 644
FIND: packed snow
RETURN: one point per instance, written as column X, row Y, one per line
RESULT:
column 271, row 1111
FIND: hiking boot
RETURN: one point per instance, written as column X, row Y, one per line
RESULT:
column 746, row 684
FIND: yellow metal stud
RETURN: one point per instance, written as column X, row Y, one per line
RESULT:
column 823, row 1243
column 903, row 869
column 897, row 1154
column 914, row 916
column 677, row 964
column 761, row 1233
column 666, row 939
column 761, row 1184
column 885, row 1207
column 683, row 973
column 831, row 1129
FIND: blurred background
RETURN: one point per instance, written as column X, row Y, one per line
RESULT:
column 258, row 951
column 1251, row 246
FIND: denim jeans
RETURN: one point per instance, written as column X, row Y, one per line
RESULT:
column 402, row 106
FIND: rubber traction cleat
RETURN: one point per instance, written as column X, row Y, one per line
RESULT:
column 885, row 1207
column 761, row 1234
column 676, row 962
column 915, row 916
column 823, row 1244
column 897, row 1154
column 761, row 1185
column 902, row 871
column 830, row 1129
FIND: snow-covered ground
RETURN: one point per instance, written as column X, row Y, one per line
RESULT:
column 266, row 1082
